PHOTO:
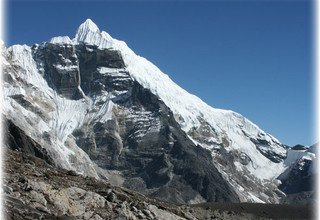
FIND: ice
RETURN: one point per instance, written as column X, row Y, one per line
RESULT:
column 89, row 33
column 68, row 116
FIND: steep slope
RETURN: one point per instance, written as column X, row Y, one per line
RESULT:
column 204, row 124
column 35, row 190
column 298, row 181
column 101, row 110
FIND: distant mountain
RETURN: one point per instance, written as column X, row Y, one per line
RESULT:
column 298, row 180
column 91, row 105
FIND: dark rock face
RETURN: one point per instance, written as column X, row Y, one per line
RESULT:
column 262, row 146
column 301, row 198
column 16, row 139
column 61, row 68
column 299, row 179
column 67, row 66
column 299, row 147
column 90, row 58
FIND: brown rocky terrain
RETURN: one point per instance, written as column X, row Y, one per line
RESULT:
column 36, row 190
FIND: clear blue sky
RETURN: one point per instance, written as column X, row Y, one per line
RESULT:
column 251, row 57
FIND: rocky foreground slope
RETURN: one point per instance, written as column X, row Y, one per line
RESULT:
column 91, row 105
column 33, row 189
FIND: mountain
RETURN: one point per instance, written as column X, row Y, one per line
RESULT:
column 298, row 180
column 91, row 105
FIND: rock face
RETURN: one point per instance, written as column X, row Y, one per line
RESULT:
column 61, row 69
column 299, row 178
column 298, row 181
column 91, row 105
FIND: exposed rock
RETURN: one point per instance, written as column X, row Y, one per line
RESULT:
column 299, row 147
column 111, row 197
column 298, row 181
column 76, row 197
column 16, row 139
column 61, row 69
column 262, row 146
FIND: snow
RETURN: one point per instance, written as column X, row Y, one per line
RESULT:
column 65, row 68
column 89, row 33
column 238, row 166
column 294, row 155
column 13, row 90
column 105, row 112
column 254, row 198
column 21, row 55
column 60, row 40
column 68, row 116
column 112, row 71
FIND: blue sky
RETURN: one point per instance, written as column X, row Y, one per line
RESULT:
column 251, row 57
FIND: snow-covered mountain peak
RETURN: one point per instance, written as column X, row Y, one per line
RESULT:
column 60, row 40
column 89, row 33
column 194, row 115
column 88, row 26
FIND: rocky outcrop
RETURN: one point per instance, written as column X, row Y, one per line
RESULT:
column 262, row 146
column 90, row 58
column 298, row 181
column 299, row 178
column 16, row 139
column 35, row 190
column 61, row 68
